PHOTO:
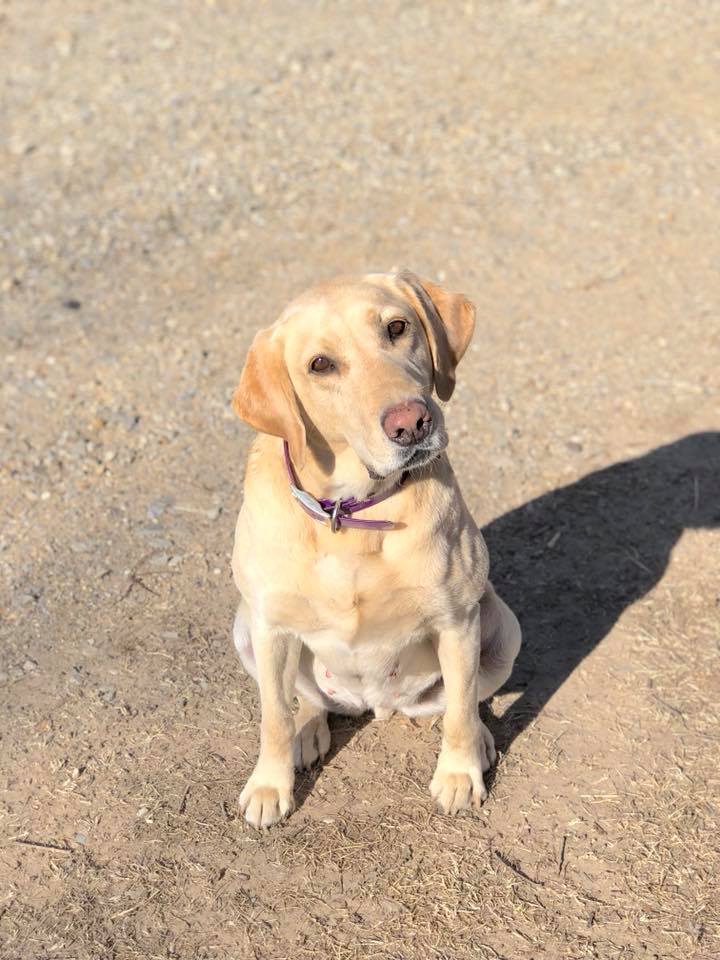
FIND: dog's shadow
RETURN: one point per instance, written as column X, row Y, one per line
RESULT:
column 571, row 561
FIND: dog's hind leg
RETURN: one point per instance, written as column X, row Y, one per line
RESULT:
column 243, row 641
column 500, row 638
column 499, row 644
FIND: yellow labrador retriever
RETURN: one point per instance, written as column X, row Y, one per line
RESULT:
column 364, row 579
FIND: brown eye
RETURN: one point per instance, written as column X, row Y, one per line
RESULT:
column 396, row 328
column 321, row 365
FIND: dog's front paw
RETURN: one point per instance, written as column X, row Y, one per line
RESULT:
column 458, row 783
column 264, row 802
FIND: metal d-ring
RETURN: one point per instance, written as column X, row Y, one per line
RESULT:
column 335, row 516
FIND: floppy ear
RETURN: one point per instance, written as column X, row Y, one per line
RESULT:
column 449, row 321
column 265, row 397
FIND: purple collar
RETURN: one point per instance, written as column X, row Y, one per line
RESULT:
column 337, row 513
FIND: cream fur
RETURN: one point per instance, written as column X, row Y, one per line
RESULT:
column 401, row 620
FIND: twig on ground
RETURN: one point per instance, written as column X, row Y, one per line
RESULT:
column 562, row 854
column 516, row 869
column 44, row 845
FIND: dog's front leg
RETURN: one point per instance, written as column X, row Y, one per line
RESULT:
column 458, row 780
column 268, row 794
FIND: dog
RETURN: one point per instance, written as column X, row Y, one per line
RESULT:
column 363, row 577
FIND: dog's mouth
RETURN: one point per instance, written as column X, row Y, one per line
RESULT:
column 424, row 453
column 421, row 457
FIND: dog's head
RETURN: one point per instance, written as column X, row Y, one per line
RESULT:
column 354, row 363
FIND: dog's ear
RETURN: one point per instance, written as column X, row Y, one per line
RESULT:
column 265, row 397
column 449, row 321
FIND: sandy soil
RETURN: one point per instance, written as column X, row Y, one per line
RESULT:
column 172, row 173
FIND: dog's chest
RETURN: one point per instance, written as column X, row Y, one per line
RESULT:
column 370, row 638
column 358, row 600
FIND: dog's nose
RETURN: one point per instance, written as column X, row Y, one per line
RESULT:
column 407, row 423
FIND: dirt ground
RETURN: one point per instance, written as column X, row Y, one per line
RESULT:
column 172, row 174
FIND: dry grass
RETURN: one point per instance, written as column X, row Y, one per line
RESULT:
column 564, row 861
column 175, row 173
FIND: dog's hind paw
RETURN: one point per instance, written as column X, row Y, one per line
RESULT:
column 489, row 754
column 312, row 740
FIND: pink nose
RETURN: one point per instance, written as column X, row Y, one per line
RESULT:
column 407, row 423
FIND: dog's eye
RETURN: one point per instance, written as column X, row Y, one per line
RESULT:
column 396, row 328
column 321, row 365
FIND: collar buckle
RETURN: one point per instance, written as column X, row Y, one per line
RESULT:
column 335, row 516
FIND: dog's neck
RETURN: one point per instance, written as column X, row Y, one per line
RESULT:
column 339, row 474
